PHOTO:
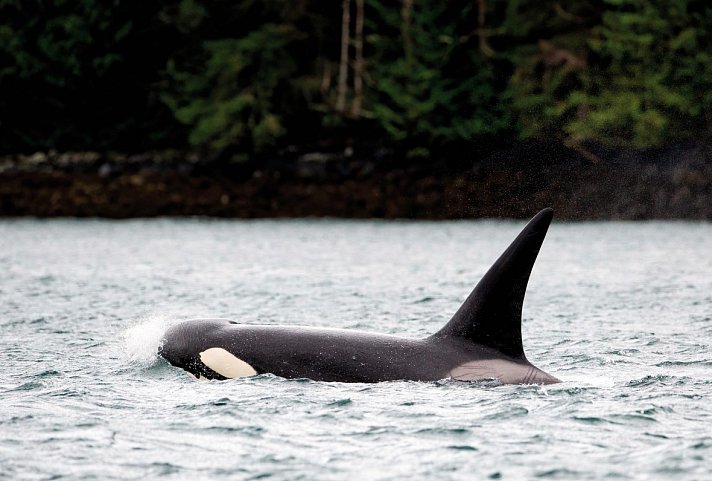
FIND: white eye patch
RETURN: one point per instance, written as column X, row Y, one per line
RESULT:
column 225, row 363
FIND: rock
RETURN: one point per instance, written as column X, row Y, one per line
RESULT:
column 36, row 159
column 105, row 170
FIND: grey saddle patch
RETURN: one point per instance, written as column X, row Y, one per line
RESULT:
column 507, row 372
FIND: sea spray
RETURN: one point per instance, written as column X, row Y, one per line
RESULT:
column 143, row 339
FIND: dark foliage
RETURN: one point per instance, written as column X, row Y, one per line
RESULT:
column 422, row 77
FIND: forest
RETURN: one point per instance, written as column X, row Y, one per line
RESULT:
column 421, row 77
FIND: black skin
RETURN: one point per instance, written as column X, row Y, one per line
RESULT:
column 484, row 336
column 322, row 354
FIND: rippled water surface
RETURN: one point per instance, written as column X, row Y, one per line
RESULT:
column 622, row 312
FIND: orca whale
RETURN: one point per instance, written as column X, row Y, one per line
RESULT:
column 483, row 340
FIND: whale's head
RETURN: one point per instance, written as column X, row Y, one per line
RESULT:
column 196, row 347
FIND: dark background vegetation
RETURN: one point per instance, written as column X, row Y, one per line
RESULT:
column 354, row 87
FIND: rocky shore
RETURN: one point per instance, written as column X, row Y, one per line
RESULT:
column 670, row 183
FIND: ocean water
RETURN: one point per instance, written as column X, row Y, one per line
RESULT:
column 622, row 312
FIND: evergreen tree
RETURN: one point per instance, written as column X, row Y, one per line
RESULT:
column 434, row 86
column 79, row 75
column 639, row 92
column 422, row 76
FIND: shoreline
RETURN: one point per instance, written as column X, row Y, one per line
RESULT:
column 667, row 185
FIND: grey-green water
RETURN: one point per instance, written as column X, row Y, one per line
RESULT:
column 622, row 312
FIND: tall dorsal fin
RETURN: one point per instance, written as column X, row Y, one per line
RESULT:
column 492, row 314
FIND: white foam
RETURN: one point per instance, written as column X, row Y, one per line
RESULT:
column 142, row 340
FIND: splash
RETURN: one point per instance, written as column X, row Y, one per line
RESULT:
column 142, row 340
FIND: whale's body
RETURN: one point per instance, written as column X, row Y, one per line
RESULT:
column 482, row 340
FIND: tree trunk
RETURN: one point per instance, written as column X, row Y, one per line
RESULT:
column 344, row 61
column 326, row 78
column 358, row 61
column 407, row 20
column 485, row 49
